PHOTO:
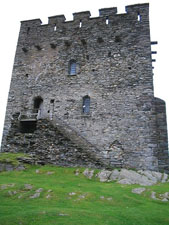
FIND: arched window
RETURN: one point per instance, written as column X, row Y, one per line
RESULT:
column 86, row 104
column 72, row 67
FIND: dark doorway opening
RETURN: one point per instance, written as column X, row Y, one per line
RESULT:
column 27, row 126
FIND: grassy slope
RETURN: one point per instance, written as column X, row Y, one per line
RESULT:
column 125, row 208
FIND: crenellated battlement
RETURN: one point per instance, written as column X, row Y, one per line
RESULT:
column 132, row 12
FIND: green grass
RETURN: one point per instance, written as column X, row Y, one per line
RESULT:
column 123, row 208
column 11, row 158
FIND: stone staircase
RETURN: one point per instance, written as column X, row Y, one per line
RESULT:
column 81, row 142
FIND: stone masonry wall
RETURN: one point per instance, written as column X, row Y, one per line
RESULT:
column 114, row 68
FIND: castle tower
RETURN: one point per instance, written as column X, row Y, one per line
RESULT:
column 82, row 92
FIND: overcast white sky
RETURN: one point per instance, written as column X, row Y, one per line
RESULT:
column 14, row 11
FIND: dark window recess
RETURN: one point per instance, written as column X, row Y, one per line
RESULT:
column 72, row 67
column 83, row 41
column 100, row 40
column 117, row 39
column 52, row 101
column 67, row 43
column 52, row 45
column 27, row 126
column 28, row 29
column 86, row 104
column 27, row 75
column 38, row 47
column 109, row 54
column 24, row 49
column 87, row 57
column 37, row 103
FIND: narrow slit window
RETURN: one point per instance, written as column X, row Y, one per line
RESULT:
column 72, row 67
column 86, row 104
column 80, row 24
column 138, row 17
column 55, row 28
column 107, row 20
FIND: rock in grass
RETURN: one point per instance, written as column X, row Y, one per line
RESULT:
column 11, row 193
column 104, row 175
column 5, row 186
column 165, row 177
column 72, row 193
column 77, row 172
column 88, row 173
column 28, row 186
column 101, row 197
column 36, row 195
column 50, row 173
column 164, row 200
column 48, row 196
column 37, row 171
column 138, row 190
column 132, row 177
column 39, row 190
column 61, row 214
column 153, row 195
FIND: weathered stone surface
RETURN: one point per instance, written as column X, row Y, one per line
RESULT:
column 50, row 172
column 114, row 175
column 72, row 193
column 104, row 175
column 132, row 177
column 28, row 186
column 124, row 176
column 36, row 195
column 153, row 195
column 5, row 186
column 138, row 190
column 88, row 173
column 122, row 125
column 39, row 190
column 11, row 193
column 165, row 177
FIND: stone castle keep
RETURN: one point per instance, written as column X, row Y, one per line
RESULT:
column 82, row 93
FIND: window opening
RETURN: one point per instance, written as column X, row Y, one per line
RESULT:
column 28, row 29
column 117, row 39
column 27, row 126
column 138, row 17
column 80, row 24
column 53, row 45
column 55, row 28
column 38, row 105
column 107, row 20
column 100, row 40
column 72, row 67
column 86, row 104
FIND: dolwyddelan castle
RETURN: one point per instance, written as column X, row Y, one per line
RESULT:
column 82, row 92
